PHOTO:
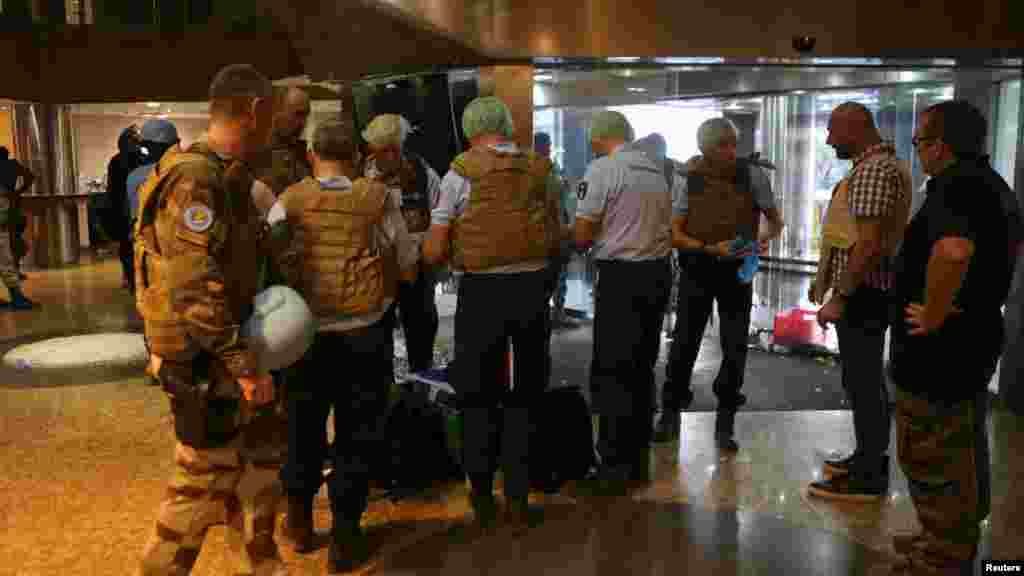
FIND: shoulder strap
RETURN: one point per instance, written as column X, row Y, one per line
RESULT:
column 420, row 165
column 670, row 173
column 374, row 191
column 744, row 181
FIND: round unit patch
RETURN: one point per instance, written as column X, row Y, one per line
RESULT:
column 198, row 218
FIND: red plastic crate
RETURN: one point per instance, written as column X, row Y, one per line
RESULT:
column 798, row 327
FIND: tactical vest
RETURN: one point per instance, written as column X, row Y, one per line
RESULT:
column 341, row 268
column 159, row 278
column 413, row 181
column 720, row 204
column 840, row 230
column 505, row 220
column 840, row 227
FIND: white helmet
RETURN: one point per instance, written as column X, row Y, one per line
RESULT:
column 281, row 328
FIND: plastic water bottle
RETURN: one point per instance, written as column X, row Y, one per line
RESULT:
column 750, row 262
column 749, row 267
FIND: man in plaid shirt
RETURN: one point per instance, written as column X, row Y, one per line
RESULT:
column 864, row 226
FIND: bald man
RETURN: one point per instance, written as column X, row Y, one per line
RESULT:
column 863, row 228
column 288, row 162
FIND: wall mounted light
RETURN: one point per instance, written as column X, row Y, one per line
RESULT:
column 152, row 104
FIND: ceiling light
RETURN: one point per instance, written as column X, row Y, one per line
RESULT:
column 624, row 59
column 798, row 92
column 636, row 89
column 152, row 104
column 391, row 85
column 542, row 77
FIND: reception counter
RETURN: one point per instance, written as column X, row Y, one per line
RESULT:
column 58, row 228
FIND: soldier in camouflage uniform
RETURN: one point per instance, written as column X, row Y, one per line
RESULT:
column 288, row 162
column 196, row 276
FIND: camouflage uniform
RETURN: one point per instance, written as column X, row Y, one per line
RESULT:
column 287, row 165
column 196, row 273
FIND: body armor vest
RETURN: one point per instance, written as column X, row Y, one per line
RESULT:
column 339, row 265
column 505, row 220
column 162, row 274
column 721, row 203
column 412, row 178
column 840, row 228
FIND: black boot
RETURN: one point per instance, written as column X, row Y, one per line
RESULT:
column 19, row 301
column 348, row 549
column 725, row 422
column 299, row 525
column 519, row 516
column 485, row 512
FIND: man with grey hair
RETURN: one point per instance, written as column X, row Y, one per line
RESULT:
column 624, row 216
column 721, row 202
column 411, row 179
column 342, row 223
column 497, row 222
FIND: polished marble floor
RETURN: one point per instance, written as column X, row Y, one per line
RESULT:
column 84, row 463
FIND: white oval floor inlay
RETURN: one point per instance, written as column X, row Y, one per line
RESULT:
column 117, row 349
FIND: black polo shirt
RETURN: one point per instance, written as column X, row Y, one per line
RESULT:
column 968, row 200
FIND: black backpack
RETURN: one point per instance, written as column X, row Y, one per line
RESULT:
column 562, row 446
column 414, row 451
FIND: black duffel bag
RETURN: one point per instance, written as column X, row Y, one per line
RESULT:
column 562, row 446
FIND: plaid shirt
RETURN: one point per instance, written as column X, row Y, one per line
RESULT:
column 874, row 183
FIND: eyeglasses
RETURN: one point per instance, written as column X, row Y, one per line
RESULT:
column 918, row 141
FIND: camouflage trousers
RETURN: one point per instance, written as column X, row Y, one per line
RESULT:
column 211, row 487
column 8, row 271
column 943, row 451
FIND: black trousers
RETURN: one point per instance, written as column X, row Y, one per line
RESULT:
column 861, row 333
column 417, row 310
column 125, row 252
column 493, row 310
column 704, row 280
column 352, row 373
column 629, row 303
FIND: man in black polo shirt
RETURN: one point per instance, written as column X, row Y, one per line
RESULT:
column 953, row 276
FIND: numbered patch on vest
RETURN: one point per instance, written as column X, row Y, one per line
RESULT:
column 581, row 190
column 198, row 218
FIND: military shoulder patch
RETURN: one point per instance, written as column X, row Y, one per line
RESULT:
column 198, row 218
column 581, row 190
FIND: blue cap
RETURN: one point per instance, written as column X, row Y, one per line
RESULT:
column 159, row 131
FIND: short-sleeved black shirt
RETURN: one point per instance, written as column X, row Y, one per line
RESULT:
column 968, row 200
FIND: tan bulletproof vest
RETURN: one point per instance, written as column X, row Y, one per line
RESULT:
column 840, row 228
column 505, row 219
column 720, row 203
column 342, row 267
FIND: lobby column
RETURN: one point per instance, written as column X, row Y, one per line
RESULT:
column 1011, row 390
column 514, row 85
